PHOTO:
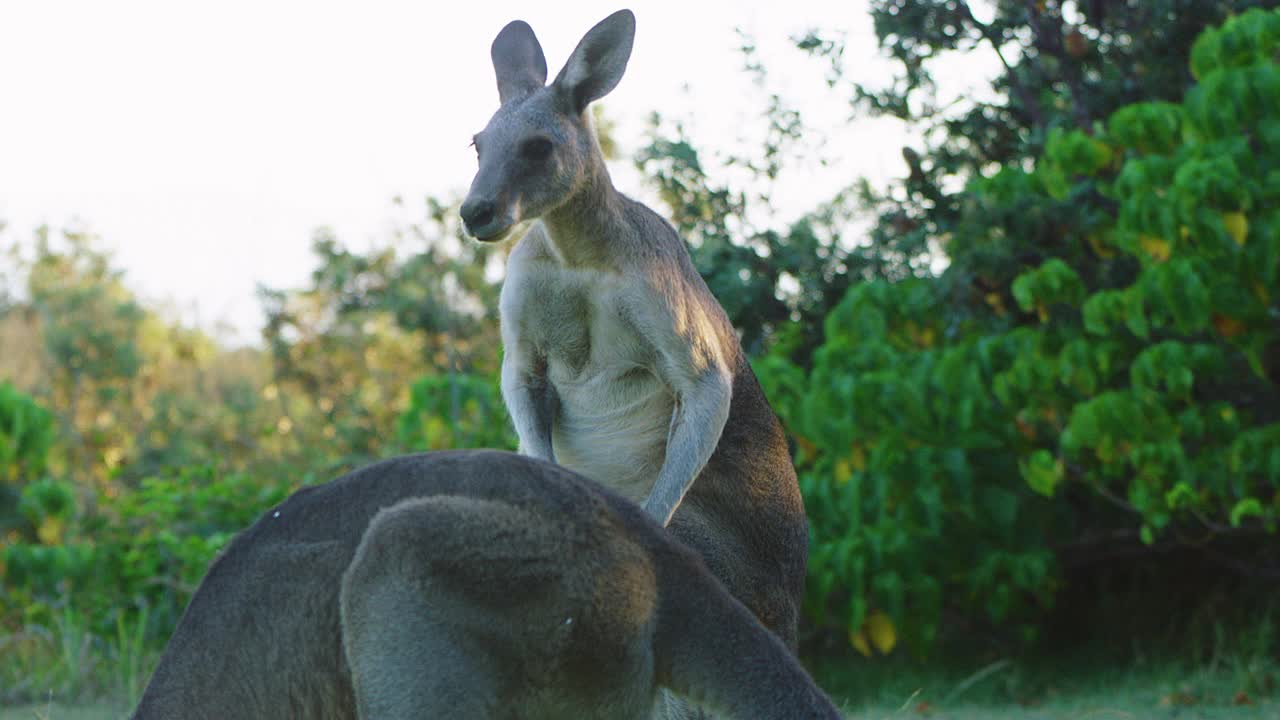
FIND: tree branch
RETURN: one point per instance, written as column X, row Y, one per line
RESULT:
column 1048, row 40
column 1015, row 82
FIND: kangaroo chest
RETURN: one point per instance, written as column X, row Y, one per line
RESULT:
column 613, row 411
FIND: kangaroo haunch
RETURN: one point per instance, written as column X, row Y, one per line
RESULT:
column 467, row 584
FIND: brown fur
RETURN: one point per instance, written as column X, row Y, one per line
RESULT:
column 467, row 584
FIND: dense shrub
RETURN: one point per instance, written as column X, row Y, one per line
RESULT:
column 455, row 411
column 947, row 460
column 26, row 434
column 139, row 550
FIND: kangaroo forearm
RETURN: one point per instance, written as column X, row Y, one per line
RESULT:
column 532, row 418
column 531, row 403
column 696, row 426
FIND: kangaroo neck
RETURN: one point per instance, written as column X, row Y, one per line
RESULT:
column 587, row 228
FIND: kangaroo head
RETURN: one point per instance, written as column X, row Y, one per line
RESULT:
column 539, row 149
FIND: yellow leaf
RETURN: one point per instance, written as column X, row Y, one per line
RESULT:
column 1157, row 248
column 883, row 635
column 1237, row 226
column 843, row 471
column 806, row 446
column 859, row 642
column 922, row 337
column 1104, row 151
column 112, row 457
column 50, row 531
column 858, row 459
column 996, row 302
column 1098, row 247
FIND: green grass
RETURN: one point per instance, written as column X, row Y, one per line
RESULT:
column 1004, row 690
column 1118, row 706
column 62, row 661
column 1235, row 676
column 1058, row 690
column 1134, row 706
column 55, row 711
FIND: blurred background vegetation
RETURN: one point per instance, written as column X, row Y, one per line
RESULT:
column 1033, row 387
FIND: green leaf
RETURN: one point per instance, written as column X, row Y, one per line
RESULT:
column 1181, row 495
column 1002, row 506
column 1147, row 535
column 1042, row 472
column 1248, row 507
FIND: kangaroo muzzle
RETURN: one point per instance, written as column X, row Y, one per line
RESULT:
column 487, row 219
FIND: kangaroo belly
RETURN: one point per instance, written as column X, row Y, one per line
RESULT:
column 612, row 427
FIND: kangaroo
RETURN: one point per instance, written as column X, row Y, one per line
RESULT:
column 618, row 362
column 467, row 584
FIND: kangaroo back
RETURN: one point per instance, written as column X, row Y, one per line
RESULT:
column 472, row 584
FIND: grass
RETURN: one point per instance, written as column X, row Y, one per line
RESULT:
column 55, row 711
column 1225, row 671
column 61, row 660
column 1106, row 663
column 1001, row 690
column 1060, row 690
column 1135, row 706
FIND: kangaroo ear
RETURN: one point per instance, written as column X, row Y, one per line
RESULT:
column 518, row 61
column 597, row 64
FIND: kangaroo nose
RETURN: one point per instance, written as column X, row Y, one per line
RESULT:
column 477, row 214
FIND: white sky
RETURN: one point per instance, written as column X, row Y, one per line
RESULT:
column 206, row 141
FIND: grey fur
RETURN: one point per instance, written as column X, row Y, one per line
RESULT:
column 517, row 52
column 618, row 362
column 467, row 584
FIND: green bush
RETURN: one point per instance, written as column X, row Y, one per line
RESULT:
column 910, row 468
column 143, row 550
column 455, row 411
column 26, row 437
column 130, row 557
column 945, row 457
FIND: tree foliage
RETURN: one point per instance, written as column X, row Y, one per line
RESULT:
column 346, row 350
column 26, row 436
column 1127, row 393
column 1064, row 65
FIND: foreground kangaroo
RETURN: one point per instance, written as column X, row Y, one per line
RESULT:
column 618, row 362
column 468, row 584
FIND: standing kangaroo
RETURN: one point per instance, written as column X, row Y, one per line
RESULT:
column 618, row 362
column 475, row 585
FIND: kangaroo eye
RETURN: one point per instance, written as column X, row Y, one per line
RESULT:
column 538, row 148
